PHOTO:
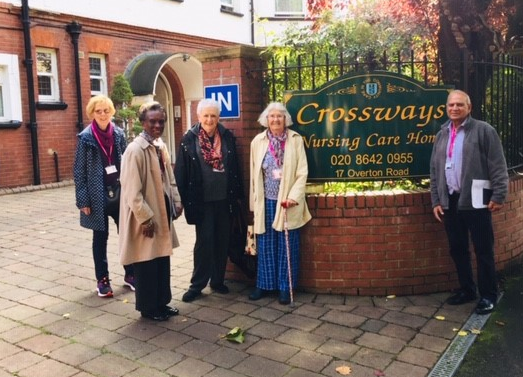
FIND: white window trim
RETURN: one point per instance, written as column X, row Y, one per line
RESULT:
column 11, row 91
column 55, row 89
column 102, row 77
column 287, row 13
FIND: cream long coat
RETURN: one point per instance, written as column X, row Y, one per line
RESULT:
column 142, row 198
column 292, row 185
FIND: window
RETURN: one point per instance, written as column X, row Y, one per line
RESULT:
column 289, row 7
column 231, row 6
column 10, row 98
column 97, row 74
column 47, row 71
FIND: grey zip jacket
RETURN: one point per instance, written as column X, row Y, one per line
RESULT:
column 483, row 158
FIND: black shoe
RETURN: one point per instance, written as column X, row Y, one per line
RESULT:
column 222, row 289
column 155, row 316
column 485, row 306
column 256, row 294
column 190, row 295
column 460, row 298
column 285, row 297
column 170, row 311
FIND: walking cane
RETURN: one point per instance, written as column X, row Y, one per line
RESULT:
column 288, row 247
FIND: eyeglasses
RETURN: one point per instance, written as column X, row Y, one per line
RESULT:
column 104, row 111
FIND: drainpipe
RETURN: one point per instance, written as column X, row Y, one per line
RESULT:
column 28, row 61
column 252, row 22
column 74, row 29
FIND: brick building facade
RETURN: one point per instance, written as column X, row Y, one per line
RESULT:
column 42, row 151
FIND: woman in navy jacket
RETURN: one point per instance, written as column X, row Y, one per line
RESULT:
column 97, row 167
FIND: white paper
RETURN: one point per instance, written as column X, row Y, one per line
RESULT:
column 478, row 190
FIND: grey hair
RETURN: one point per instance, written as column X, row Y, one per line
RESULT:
column 275, row 106
column 467, row 97
column 206, row 103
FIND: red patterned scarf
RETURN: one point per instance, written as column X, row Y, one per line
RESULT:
column 212, row 152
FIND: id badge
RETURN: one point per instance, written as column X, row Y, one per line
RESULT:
column 276, row 174
column 111, row 169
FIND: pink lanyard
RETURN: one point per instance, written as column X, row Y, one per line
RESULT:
column 109, row 156
column 453, row 133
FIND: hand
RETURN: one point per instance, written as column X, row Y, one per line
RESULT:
column 148, row 228
column 289, row 203
column 86, row 210
column 493, row 206
column 438, row 213
column 179, row 211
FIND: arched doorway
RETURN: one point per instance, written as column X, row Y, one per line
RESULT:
column 174, row 80
column 164, row 95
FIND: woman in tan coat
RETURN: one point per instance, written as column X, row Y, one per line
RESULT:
column 149, row 203
column 279, row 172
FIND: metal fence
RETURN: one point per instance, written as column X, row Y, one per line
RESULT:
column 495, row 86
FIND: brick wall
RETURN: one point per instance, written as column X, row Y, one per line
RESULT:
column 386, row 243
column 57, row 129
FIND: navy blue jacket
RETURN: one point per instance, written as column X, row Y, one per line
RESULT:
column 88, row 175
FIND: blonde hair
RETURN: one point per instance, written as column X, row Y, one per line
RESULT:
column 278, row 106
column 99, row 99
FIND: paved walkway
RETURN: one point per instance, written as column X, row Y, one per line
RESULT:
column 52, row 323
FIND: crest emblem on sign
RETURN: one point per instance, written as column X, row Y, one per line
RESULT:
column 371, row 88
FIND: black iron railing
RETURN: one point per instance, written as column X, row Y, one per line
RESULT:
column 495, row 86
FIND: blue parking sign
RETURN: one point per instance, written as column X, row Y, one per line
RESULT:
column 228, row 96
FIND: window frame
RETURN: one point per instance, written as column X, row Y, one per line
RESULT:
column 103, row 74
column 231, row 6
column 11, row 91
column 278, row 13
column 55, row 87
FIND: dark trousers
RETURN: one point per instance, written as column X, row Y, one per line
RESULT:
column 153, row 284
column 100, row 237
column 211, row 247
column 478, row 222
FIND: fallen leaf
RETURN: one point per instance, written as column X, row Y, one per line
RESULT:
column 500, row 323
column 125, row 301
column 463, row 333
column 475, row 331
column 236, row 335
column 440, row 317
column 344, row 370
column 379, row 373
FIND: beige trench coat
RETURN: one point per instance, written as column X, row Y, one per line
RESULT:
column 142, row 198
column 292, row 185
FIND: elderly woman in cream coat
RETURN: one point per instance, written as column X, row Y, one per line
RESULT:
column 278, row 167
column 149, row 203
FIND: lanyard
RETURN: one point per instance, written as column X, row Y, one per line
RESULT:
column 109, row 156
column 453, row 132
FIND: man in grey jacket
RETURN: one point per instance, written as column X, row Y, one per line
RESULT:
column 466, row 152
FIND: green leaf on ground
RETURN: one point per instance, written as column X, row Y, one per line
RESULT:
column 236, row 335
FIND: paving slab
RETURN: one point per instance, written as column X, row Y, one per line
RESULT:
column 51, row 318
